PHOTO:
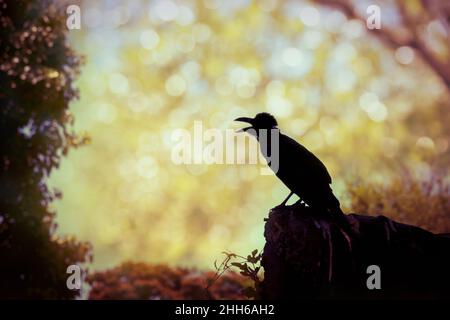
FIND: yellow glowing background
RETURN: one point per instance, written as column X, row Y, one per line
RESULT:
column 154, row 67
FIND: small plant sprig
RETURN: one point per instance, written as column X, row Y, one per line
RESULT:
column 248, row 266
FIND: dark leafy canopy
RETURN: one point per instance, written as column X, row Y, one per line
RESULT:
column 37, row 69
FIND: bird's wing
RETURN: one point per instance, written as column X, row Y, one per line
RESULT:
column 307, row 165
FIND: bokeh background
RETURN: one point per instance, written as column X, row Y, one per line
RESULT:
column 373, row 105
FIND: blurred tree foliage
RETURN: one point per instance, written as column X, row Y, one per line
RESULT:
column 36, row 73
column 160, row 282
column 420, row 202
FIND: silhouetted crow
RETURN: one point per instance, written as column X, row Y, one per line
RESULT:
column 300, row 170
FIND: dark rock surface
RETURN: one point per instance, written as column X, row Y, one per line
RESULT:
column 308, row 255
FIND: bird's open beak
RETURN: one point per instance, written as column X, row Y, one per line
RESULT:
column 244, row 119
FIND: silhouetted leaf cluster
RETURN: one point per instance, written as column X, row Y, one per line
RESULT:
column 248, row 267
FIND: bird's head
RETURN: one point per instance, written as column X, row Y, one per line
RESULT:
column 262, row 120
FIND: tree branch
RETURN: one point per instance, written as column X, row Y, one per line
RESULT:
column 394, row 41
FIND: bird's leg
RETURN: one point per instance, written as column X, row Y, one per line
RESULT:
column 285, row 200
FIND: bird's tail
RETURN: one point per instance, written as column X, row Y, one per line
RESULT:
column 340, row 216
column 333, row 204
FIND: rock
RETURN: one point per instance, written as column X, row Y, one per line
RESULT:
column 309, row 255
